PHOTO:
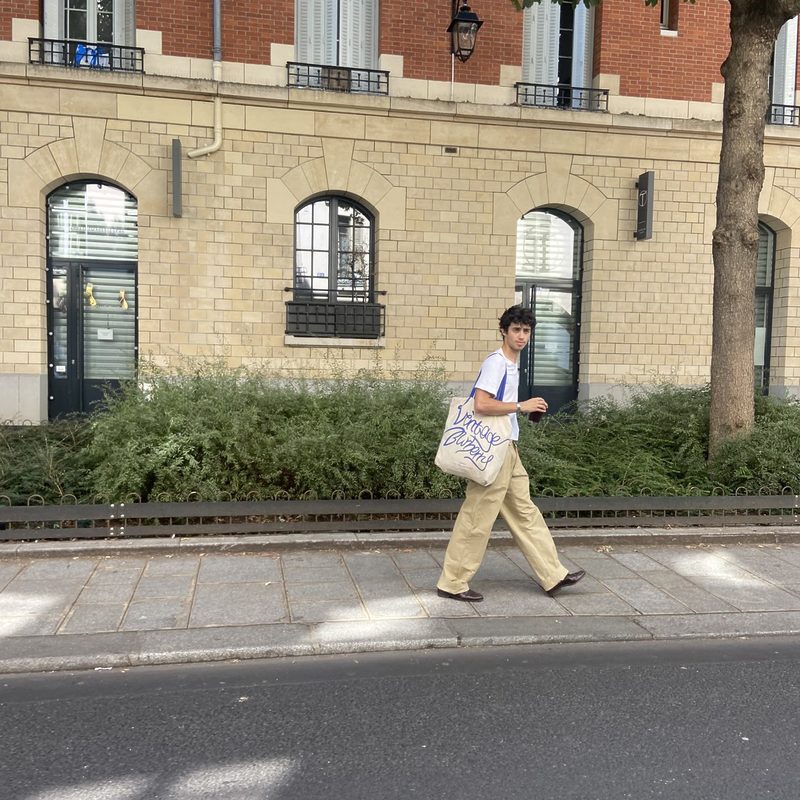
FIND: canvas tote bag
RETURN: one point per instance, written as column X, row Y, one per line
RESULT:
column 474, row 446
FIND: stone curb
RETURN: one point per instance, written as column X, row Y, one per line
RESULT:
column 367, row 541
column 128, row 649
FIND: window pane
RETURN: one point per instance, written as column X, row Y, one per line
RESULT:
column 93, row 221
column 60, row 300
column 347, row 279
column 546, row 248
column 554, row 337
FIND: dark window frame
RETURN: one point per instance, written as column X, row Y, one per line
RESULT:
column 335, row 305
column 767, row 291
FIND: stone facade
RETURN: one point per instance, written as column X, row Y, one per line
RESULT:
column 447, row 181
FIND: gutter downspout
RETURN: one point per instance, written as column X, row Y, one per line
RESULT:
column 216, row 75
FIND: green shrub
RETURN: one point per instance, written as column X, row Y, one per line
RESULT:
column 221, row 434
column 654, row 444
column 768, row 460
column 241, row 435
column 52, row 461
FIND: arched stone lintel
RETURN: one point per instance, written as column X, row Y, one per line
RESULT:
column 337, row 173
column 65, row 160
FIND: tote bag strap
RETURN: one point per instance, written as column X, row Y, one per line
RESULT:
column 500, row 389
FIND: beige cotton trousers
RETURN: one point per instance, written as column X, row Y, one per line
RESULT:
column 509, row 496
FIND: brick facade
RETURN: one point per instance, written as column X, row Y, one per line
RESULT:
column 447, row 181
column 630, row 43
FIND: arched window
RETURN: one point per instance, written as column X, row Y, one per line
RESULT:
column 334, row 271
column 549, row 269
column 92, row 249
column 765, row 275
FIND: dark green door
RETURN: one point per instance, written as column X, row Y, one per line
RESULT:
column 91, row 294
column 92, row 332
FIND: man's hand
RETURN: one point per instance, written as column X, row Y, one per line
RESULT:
column 533, row 404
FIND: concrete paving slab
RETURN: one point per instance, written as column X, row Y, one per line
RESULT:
column 163, row 586
column 595, row 605
column 646, row 598
column 232, row 568
column 422, row 578
column 695, row 562
column 443, row 607
column 637, row 562
column 722, row 625
column 691, row 595
column 788, row 554
column 106, row 593
column 172, row 565
column 321, row 592
column 749, row 594
column 485, row 632
column 33, row 597
column 93, row 618
column 8, row 571
column 333, row 611
column 415, row 559
column 34, row 624
column 314, row 559
column 315, row 575
column 156, row 614
column 393, row 607
column 57, row 569
column 103, row 576
column 238, row 604
column 602, row 566
column 371, row 566
column 515, row 599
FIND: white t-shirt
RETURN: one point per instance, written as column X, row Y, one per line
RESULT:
column 491, row 375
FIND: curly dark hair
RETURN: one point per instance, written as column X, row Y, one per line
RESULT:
column 516, row 315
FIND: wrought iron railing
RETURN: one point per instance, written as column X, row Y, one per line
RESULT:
column 614, row 515
column 86, row 55
column 783, row 115
column 337, row 79
column 562, row 95
column 349, row 312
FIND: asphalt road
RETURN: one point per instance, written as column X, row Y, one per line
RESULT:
column 681, row 720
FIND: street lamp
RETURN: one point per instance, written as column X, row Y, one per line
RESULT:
column 464, row 30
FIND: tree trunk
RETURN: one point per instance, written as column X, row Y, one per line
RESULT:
column 754, row 28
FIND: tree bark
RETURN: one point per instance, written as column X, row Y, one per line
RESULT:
column 754, row 28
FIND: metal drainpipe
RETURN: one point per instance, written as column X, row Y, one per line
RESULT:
column 216, row 75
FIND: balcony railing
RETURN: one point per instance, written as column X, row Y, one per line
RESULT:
column 783, row 115
column 86, row 55
column 561, row 95
column 345, row 314
column 337, row 79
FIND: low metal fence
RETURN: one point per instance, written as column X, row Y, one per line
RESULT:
column 181, row 519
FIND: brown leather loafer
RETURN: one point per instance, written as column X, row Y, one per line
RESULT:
column 469, row 596
column 569, row 579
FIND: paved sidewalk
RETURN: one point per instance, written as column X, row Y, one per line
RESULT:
column 77, row 608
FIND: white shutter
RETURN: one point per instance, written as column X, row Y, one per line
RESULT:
column 358, row 33
column 53, row 19
column 351, row 33
column 785, row 68
column 315, row 31
column 370, row 47
column 125, row 23
column 583, row 47
column 540, row 30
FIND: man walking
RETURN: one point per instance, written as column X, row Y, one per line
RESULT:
column 509, row 495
